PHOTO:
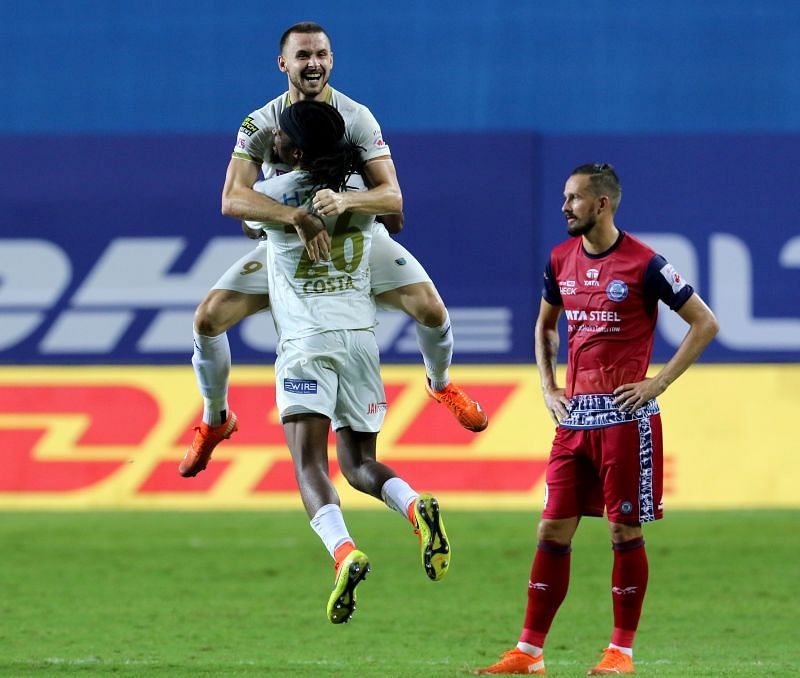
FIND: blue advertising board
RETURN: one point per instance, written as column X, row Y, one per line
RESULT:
column 107, row 244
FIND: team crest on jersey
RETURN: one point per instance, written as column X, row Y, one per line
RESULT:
column 617, row 290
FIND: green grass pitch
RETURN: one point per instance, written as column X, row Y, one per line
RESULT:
column 244, row 594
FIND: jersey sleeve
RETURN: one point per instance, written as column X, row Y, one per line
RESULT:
column 550, row 292
column 366, row 132
column 254, row 139
column 662, row 281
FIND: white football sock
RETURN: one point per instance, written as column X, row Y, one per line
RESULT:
column 527, row 648
column 436, row 345
column 398, row 494
column 328, row 523
column 625, row 650
column 212, row 367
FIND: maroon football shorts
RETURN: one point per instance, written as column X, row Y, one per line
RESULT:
column 618, row 468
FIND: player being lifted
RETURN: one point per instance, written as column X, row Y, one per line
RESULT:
column 398, row 279
column 607, row 451
column 327, row 370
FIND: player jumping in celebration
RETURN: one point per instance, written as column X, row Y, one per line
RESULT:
column 398, row 279
column 607, row 451
column 327, row 370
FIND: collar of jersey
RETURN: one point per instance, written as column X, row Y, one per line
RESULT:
column 616, row 244
column 328, row 96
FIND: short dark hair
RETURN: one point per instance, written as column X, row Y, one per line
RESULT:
column 303, row 27
column 603, row 180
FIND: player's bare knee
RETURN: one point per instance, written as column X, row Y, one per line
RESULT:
column 205, row 323
column 558, row 531
column 620, row 533
column 430, row 311
column 363, row 477
column 350, row 471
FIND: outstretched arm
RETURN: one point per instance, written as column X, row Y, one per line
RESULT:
column 240, row 201
column 546, row 343
column 703, row 327
column 383, row 197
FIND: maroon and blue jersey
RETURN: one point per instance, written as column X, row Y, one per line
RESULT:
column 610, row 301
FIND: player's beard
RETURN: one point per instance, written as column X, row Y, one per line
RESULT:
column 579, row 228
column 310, row 90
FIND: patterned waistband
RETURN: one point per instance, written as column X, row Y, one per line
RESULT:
column 597, row 410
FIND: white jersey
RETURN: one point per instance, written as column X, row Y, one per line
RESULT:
column 308, row 298
column 254, row 140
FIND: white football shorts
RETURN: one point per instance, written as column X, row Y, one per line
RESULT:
column 336, row 374
column 249, row 274
column 391, row 266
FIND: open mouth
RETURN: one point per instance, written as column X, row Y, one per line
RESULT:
column 313, row 77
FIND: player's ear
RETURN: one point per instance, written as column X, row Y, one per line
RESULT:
column 297, row 154
column 281, row 63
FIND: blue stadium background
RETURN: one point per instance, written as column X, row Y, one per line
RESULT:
column 118, row 118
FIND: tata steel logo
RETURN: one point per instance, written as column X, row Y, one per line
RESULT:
column 591, row 278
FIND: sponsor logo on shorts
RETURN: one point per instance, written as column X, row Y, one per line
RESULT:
column 374, row 408
column 617, row 290
column 248, row 127
column 302, row 386
column 401, row 261
column 626, row 507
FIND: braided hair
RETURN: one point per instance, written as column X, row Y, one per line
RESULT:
column 329, row 157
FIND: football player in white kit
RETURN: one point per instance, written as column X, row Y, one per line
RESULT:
column 398, row 280
column 327, row 370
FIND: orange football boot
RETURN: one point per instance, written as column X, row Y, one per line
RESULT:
column 468, row 412
column 613, row 662
column 517, row 662
column 206, row 438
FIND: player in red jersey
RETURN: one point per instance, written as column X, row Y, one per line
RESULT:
column 607, row 451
